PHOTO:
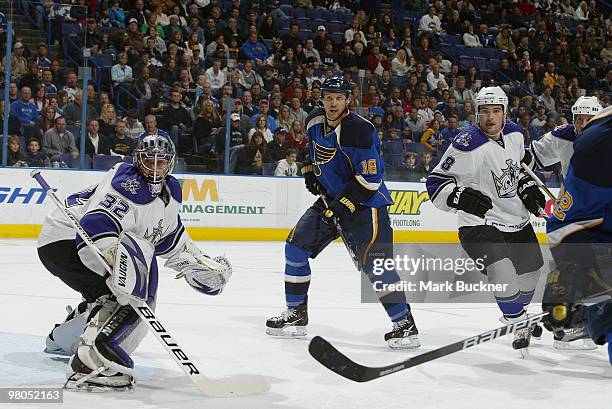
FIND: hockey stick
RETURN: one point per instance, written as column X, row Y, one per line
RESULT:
column 342, row 236
column 226, row 387
column 334, row 360
column 538, row 182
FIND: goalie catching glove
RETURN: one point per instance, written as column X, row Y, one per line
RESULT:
column 204, row 274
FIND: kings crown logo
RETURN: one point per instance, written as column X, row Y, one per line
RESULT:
column 506, row 184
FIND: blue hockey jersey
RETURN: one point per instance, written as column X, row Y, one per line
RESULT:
column 585, row 202
column 348, row 158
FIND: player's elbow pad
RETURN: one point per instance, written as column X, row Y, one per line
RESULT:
column 360, row 190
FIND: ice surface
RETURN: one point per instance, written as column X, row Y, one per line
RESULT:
column 225, row 336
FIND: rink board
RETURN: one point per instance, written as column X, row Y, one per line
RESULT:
column 215, row 207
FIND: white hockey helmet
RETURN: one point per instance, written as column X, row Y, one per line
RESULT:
column 491, row 96
column 586, row 106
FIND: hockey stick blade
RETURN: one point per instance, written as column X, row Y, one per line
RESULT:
column 334, row 360
column 232, row 386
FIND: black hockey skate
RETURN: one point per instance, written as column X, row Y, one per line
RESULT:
column 81, row 378
column 573, row 339
column 291, row 323
column 404, row 334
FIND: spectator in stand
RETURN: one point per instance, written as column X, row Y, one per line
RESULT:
column 175, row 118
column 415, row 122
column 423, row 52
column 432, row 137
column 268, row 29
column 206, row 126
column 287, row 166
column 255, row 50
column 250, row 157
column 469, row 38
column 238, row 139
column 311, row 54
column 504, row 42
column 72, row 110
column 15, row 155
column 298, row 139
column 425, row 167
column 430, row 22
column 45, row 122
column 134, row 127
column 96, row 143
column 449, row 133
column 261, row 126
column 25, row 112
column 120, row 142
column 264, row 109
column 34, row 156
column 355, row 28
column 530, row 133
column 435, row 76
column 408, row 170
column 547, row 99
column 215, row 76
column 19, row 63
column 108, row 119
column 297, row 112
column 277, row 149
column 121, row 73
column 13, row 125
column 292, row 39
column 57, row 141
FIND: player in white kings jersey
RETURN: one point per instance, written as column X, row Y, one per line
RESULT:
column 132, row 216
column 480, row 178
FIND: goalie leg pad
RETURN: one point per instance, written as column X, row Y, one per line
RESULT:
column 64, row 338
column 132, row 261
column 113, row 331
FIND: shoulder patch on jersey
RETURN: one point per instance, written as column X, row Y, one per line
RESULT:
column 316, row 116
column 128, row 182
column 469, row 139
column 175, row 188
column 510, row 127
column 356, row 132
column 566, row 132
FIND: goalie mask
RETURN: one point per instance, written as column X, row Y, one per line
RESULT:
column 154, row 160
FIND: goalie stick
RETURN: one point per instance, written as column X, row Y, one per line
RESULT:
column 334, row 360
column 225, row 387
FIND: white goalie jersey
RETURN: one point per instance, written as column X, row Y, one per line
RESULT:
column 476, row 161
column 121, row 202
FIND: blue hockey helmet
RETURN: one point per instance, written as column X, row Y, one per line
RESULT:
column 336, row 83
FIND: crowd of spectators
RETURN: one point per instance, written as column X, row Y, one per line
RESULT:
column 186, row 63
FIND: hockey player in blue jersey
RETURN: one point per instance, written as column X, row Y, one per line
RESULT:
column 580, row 235
column 479, row 177
column 135, row 208
column 557, row 146
column 346, row 167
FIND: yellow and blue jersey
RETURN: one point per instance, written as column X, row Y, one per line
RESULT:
column 584, row 209
column 348, row 159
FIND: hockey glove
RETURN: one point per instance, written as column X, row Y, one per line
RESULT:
column 311, row 181
column 470, row 201
column 531, row 196
column 340, row 209
column 559, row 296
column 201, row 277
